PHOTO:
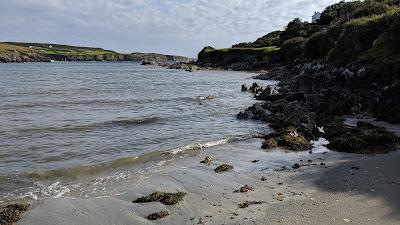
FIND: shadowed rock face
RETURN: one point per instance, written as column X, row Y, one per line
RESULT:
column 315, row 95
column 365, row 138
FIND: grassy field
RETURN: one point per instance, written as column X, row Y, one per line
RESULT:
column 8, row 47
column 51, row 49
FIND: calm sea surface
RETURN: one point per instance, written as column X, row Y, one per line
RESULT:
column 60, row 119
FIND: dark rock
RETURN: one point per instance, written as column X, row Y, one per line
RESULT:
column 158, row 215
column 296, row 166
column 149, row 63
column 270, row 92
column 388, row 105
column 245, row 88
column 255, row 161
column 289, row 138
column 269, row 143
column 363, row 139
column 207, row 160
column 245, row 188
column 223, row 168
column 249, row 203
column 12, row 213
column 163, row 197
column 257, row 111
column 256, row 88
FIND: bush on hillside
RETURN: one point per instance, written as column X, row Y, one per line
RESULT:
column 343, row 12
column 357, row 36
column 271, row 39
column 293, row 48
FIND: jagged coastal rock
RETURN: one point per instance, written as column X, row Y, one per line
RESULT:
column 335, row 67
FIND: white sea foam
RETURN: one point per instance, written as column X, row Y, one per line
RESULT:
column 199, row 146
column 319, row 146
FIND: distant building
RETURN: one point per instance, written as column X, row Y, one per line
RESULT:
column 50, row 46
column 316, row 16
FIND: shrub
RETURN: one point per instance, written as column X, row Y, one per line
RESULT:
column 293, row 48
column 271, row 39
column 337, row 10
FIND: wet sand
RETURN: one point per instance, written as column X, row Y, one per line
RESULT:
column 344, row 189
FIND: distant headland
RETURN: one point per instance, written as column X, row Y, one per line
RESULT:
column 46, row 52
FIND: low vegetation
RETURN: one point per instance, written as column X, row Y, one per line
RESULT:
column 355, row 32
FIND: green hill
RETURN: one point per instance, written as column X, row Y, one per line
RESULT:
column 45, row 52
column 365, row 32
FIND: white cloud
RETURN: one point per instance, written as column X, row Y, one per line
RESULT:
column 172, row 26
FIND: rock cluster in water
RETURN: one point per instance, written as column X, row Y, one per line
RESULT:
column 310, row 103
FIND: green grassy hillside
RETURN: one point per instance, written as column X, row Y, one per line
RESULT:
column 353, row 32
column 38, row 52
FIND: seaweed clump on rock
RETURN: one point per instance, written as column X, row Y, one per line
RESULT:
column 163, row 197
column 12, row 213
column 289, row 138
column 363, row 139
column 223, row 168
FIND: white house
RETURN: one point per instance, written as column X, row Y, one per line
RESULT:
column 316, row 17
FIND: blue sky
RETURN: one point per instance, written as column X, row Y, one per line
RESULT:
column 167, row 26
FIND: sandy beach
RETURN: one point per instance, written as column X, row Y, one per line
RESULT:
column 328, row 188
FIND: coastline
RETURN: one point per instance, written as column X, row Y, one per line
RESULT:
column 329, row 188
column 347, row 186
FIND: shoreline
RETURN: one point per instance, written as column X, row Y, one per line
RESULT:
column 326, row 181
column 341, row 184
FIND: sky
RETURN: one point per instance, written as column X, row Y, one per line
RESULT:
column 180, row 27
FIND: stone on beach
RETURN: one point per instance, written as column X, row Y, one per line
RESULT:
column 223, row 168
column 12, row 213
column 249, row 203
column 245, row 188
column 207, row 160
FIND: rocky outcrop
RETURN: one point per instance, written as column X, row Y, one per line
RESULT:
column 238, row 58
column 311, row 101
column 190, row 67
column 365, row 138
column 288, row 138
column 9, row 53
